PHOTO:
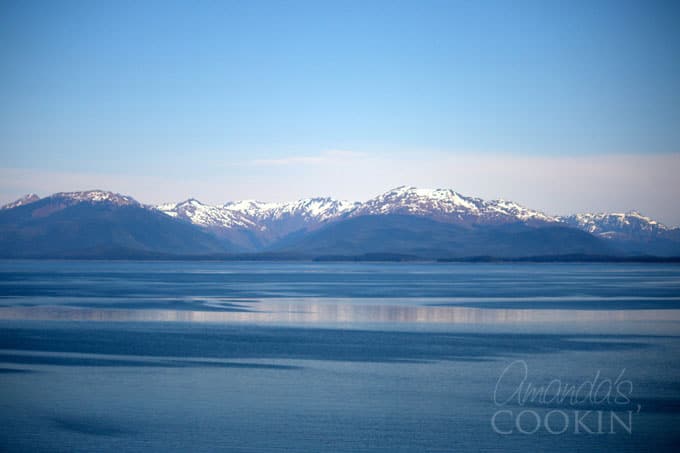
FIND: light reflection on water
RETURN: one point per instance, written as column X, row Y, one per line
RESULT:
column 307, row 357
column 303, row 311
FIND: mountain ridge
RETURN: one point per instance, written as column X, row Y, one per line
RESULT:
column 251, row 226
column 93, row 224
column 451, row 207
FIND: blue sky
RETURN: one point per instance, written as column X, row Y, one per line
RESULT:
column 275, row 100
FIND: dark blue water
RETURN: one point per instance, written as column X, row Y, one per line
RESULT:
column 173, row 356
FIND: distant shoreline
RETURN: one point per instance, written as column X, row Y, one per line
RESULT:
column 367, row 258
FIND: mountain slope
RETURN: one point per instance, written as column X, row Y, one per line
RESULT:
column 257, row 226
column 97, row 224
column 426, row 238
column 631, row 232
column 425, row 223
column 231, row 226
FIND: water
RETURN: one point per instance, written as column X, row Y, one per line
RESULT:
column 176, row 356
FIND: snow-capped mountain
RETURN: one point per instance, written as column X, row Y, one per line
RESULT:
column 411, row 214
column 257, row 214
column 63, row 199
column 95, row 196
column 311, row 210
column 254, row 224
column 98, row 224
column 264, row 222
column 630, row 225
column 439, row 204
column 278, row 220
column 207, row 216
column 26, row 199
column 449, row 206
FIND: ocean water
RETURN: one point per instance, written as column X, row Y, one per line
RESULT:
column 369, row 357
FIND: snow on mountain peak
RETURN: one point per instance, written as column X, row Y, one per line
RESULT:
column 97, row 196
column 317, row 209
column 256, row 223
column 258, row 215
column 447, row 205
column 205, row 215
column 26, row 199
column 309, row 213
column 250, row 208
column 271, row 221
column 616, row 224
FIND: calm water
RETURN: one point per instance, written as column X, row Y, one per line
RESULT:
column 177, row 356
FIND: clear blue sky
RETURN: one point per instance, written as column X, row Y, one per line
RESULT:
column 215, row 91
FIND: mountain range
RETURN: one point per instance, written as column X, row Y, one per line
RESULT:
column 403, row 223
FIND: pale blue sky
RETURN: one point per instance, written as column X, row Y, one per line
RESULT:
column 223, row 100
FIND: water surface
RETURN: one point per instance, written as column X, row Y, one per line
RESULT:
column 332, row 357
